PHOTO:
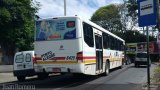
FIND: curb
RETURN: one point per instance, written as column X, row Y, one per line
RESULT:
column 6, row 68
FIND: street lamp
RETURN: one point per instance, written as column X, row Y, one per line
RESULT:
column 64, row 7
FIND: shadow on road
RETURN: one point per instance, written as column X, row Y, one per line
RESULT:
column 141, row 66
column 54, row 81
column 57, row 81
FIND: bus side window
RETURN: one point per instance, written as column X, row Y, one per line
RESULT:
column 109, row 41
column 106, row 41
column 122, row 46
column 119, row 46
column 115, row 43
column 88, row 35
column 112, row 43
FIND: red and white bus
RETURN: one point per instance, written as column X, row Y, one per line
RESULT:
column 71, row 44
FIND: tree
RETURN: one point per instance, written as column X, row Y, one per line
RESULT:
column 17, row 26
column 116, row 18
column 131, row 36
column 132, row 7
column 108, row 17
column 124, row 19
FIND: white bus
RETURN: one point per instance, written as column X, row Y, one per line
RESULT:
column 71, row 44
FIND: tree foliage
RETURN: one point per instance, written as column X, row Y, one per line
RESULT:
column 131, row 36
column 132, row 7
column 108, row 17
column 17, row 25
column 117, row 19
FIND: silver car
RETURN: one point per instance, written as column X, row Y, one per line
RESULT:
column 141, row 59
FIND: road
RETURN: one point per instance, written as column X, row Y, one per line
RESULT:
column 127, row 78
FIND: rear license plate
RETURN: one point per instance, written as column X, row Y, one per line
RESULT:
column 20, row 66
column 56, row 70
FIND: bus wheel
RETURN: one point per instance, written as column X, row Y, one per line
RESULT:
column 21, row 78
column 42, row 76
column 106, row 69
column 135, row 64
column 120, row 67
column 62, row 73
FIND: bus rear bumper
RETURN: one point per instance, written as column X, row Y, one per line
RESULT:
column 60, row 68
column 27, row 72
column 57, row 69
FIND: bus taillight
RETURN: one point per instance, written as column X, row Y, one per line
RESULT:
column 34, row 59
column 80, row 56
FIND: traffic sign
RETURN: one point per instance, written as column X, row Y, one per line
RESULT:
column 147, row 12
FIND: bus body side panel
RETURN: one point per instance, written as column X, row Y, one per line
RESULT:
column 115, row 59
column 106, row 56
column 114, row 56
column 89, row 55
column 89, row 59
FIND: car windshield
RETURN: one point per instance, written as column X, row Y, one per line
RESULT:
column 142, row 55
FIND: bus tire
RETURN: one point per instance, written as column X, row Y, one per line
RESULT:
column 77, row 74
column 106, row 69
column 136, row 65
column 63, row 73
column 42, row 76
column 120, row 67
column 21, row 78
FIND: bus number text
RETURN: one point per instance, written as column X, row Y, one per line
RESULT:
column 70, row 57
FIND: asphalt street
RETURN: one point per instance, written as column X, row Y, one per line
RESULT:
column 127, row 78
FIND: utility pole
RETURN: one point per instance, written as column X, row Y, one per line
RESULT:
column 64, row 7
column 143, row 31
column 148, row 59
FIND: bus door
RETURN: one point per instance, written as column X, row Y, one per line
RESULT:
column 99, row 52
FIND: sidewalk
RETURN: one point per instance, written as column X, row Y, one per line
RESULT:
column 158, row 87
column 6, row 68
column 153, row 85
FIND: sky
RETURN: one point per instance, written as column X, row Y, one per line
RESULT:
column 82, row 8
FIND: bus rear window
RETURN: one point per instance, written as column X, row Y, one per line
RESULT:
column 59, row 29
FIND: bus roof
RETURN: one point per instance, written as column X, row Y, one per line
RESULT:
column 50, row 18
column 86, row 21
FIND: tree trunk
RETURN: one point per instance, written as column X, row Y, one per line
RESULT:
column 7, row 54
